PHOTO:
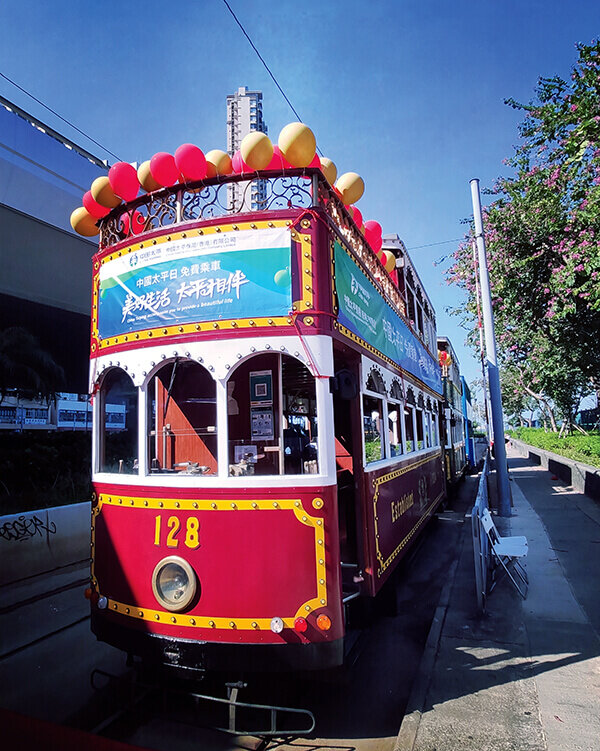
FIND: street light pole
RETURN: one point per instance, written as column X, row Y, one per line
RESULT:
column 492, row 363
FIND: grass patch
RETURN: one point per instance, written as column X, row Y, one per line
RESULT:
column 581, row 448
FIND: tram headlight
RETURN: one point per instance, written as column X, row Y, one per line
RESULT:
column 174, row 583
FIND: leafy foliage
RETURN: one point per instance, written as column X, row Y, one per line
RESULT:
column 543, row 243
column 582, row 448
column 41, row 470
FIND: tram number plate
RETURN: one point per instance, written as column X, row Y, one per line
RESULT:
column 173, row 532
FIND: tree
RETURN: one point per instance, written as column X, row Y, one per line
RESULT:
column 25, row 366
column 543, row 241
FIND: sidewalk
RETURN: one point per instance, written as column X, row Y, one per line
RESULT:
column 526, row 675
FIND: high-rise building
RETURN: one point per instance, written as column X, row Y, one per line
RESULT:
column 244, row 114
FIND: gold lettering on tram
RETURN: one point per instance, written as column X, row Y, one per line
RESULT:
column 401, row 507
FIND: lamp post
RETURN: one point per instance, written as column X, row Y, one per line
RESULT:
column 492, row 363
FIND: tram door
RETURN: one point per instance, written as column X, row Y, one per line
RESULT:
column 347, row 449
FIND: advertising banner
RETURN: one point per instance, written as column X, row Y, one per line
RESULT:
column 241, row 274
column 364, row 311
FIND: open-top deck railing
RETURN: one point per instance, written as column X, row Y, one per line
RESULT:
column 214, row 198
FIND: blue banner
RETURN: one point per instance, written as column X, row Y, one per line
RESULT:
column 222, row 276
column 363, row 311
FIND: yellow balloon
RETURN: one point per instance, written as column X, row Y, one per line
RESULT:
column 145, row 178
column 389, row 261
column 84, row 223
column 256, row 149
column 329, row 169
column 351, row 186
column 217, row 163
column 103, row 194
column 298, row 145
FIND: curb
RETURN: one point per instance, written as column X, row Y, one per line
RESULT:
column 409, row 728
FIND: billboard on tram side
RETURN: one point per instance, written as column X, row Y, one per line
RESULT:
column 364, row 311
column 204, row 278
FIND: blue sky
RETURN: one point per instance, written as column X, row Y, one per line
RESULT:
column 409, row 94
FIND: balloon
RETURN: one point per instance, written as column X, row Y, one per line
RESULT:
column 297, row 143
column 256, row 150
column 351, row 186
column 373, row 234
column 389, row 260
column 145, row 178
column 83, row 222
column 357, row 216
column 329, row 169
column 137, row 225
column 282, row 278
column 103, row 194
column 316, row 162
column 337, row 192
column 190, row 161
column 238, row 165
column 95, row 209
column 163, row 169
column 123, row 180
column 218, row 163
column 278, row 161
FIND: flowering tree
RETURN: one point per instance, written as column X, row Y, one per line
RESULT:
column 543, row 242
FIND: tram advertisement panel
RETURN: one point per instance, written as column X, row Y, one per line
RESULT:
column 221, row 275
column 363, row 311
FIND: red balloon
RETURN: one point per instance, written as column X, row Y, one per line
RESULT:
column 190, row 161
column 123, row 180
column 357, row 216
column 163, row 169
column 93, row 207
column 374, row 227
column 278, row 162
column 137, row 225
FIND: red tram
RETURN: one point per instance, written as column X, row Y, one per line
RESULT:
column 282, row 442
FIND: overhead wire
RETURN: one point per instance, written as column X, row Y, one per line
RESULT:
column 60, row 117
column 261, row 58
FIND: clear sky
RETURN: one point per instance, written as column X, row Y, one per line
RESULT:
column 408, row 93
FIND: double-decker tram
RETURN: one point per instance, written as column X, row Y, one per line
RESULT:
column 454, row 406
column 281, row 448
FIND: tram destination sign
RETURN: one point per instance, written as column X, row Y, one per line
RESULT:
column 226, row 275
column 364, row 311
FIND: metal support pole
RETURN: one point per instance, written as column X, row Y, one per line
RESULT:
column 490, row 346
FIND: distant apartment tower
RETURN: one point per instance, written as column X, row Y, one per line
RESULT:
column 244, row 114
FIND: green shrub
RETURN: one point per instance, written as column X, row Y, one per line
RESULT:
column 582, row 448
column 41, row 470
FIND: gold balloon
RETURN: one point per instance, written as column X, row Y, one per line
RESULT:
column 256, row 149
column 103, row 194
column 145, row 178
column 298, row 145
column 329, row 169
column 218, row 163
column 389, row 261
column 351, row 186
column 83, row 222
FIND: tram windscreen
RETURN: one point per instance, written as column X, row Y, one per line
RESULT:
column 118, row 445
column 182, row 424
column 272, row 417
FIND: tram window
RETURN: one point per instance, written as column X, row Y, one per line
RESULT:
column 420, row 438
column 395, row 428
column 118, row 444
column 182, row 420
column 372, row 422
column 272, row 417
column 434, row 430
column 409, row 428
column 427, row 416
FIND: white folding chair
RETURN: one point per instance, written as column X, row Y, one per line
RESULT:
column 508, row 553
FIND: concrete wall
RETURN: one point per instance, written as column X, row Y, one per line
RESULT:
column 38, row 541
column 582, row 477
